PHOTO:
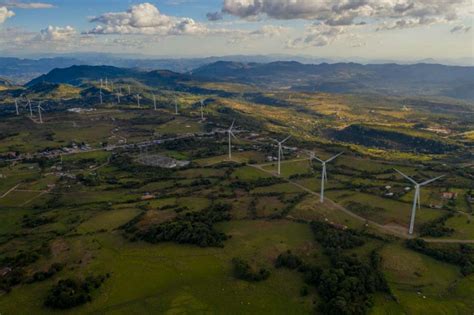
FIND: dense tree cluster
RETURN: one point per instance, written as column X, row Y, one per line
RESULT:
column 69, row 293
column 35, row 221
column 188, row 228
column 261, row 182
column 333, row 238
column 346, row 287
column 462, row 256
column 43, row 275
column 437, row 228
column 244, row 271
column 16, row 265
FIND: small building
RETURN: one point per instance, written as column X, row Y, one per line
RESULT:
column 449, row 195
column 147, row 197
column 388, row 187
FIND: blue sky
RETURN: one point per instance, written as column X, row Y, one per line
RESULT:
column 374, row 29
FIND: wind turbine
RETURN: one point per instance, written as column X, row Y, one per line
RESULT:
column 100, row 95
column 31, row 109
column 176, row 107
column 280, row 152
column 39, row 112
column 106, row 83
column 101, row 83
column 154, row 101
column 202, row 110
column 118, row 97
column 416, row 199
column 231, row 134
column 129, row 91
column 324, row 174
column 16, row 107
column 138, row 99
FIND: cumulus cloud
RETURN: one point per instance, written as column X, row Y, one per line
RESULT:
column 349, row 12
column 56, row 33
column 25, row 5
column 318, row 35
column 460, row 29
column 145, row 19
column 5, row 14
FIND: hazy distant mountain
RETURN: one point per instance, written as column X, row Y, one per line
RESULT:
column 391, row 79
column 77, row 75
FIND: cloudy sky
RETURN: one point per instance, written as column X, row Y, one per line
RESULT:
column 376, row 29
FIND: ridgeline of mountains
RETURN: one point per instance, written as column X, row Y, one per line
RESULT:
column 386, row 79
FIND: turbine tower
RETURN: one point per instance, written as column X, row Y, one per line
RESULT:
column 129, row 90
column 231, row 134
column 16, row 107
column 202, row 110
column 40, row 109
column 118, row 97
column 176, row 107
column 100, row 96
column 154, row 101
column 324, row 174
column 31, row 109
column 280, row 152
column 416, row 199
column 138, row 100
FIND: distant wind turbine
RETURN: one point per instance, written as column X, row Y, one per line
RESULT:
column 29, row 105
column 138, row 99
column 176, row 107
column 100, row 96
column 40, row 109
column 202, row 110
column 416, row 199
column 16, row 107
column 154, row 101
column 129, row 90
column 324, row 174
column 231, row 134
column 280, row 152
column 118, row 97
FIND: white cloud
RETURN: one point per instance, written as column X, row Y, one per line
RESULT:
column 5, row 14
column 346, row 12
column 318, row 35
column 56, row 33
column 146, row 19
column 26, row 5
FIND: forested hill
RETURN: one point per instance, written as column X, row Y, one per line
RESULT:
column 391, row 79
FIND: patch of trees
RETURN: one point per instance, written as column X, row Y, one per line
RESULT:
column 462, row 256
column 288, row 260
column 69, row 293
column 332, row 238
column 388, row 139
column 16, row 264
column 437, row 228
column 35, row 221
column 189, row 228
column 125, row 163
column 43, row 275
column 244, row 271
column 261, row 182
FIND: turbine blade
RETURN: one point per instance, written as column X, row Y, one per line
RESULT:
column 286, row 139
column 409, row 178
column 317, row 159
column 431, row 180
column 232, row 126
column 232, row 134
column 334, row 157
column 419, row 199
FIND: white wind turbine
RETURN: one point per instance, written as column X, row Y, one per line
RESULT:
column 416, row 199
column 138, row 100
column 231, row 134
column 154, row 101
column 106, row 83
column 324, row 174
column 16, row 107
column 100, row 96
column 40, row 109
column 129, row 90
column 280, row 152
column 101, row 83
column 29, row 105
column 202, row 110
column 118, row 97
column 176, row 107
